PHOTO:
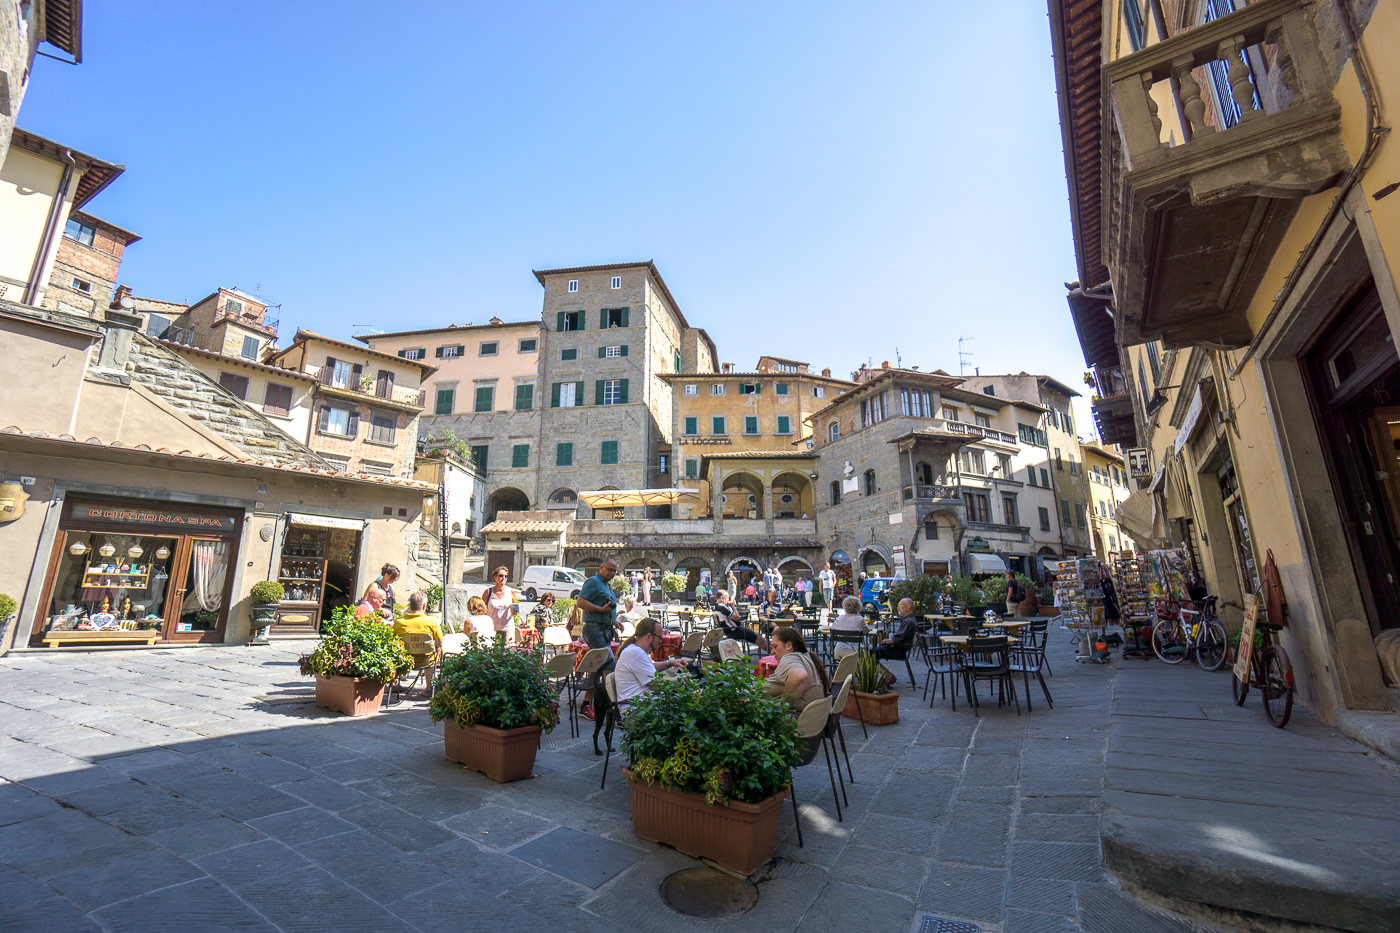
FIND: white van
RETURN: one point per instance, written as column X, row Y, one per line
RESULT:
column 544, row 578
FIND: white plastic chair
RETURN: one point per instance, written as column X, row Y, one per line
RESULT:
column 811, row 724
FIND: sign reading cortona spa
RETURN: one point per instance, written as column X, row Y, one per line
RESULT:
column 145, row 517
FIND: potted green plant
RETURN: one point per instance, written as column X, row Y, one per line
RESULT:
column 672, row 583
column 878, row 703
column 266, row 595
column 494, row 702
column 711, row 764
column 8, row 606
column 353, row 662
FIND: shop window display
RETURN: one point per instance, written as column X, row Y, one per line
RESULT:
column 108, row 582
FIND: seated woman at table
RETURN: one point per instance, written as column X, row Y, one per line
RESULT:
column 628, row 611
column 479, row 621
column 543, row 613
column 727, row 616
column 770, row 611
column 850, row 620
column 635, row 668
column 800, row 678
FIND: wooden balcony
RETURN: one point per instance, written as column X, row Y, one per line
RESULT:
column 370, row 391
column 1193, row 227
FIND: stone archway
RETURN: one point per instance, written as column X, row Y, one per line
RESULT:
column 506, row 499
column 792, row 495
column 742, row 493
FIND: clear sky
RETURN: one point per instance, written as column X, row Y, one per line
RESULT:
column 832, row 182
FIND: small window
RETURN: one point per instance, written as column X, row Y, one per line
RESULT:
column 818, row 391
column 564, row 454
column 528, row 346
column 983, row 421
column 335, row 421
column 608, row 453
column 1045, row 478
column 692, row 425
column 80, row 232
column 692, row 468
column 717, row 388
column 443, row 404
column 784, row 424
column 573, row 285
column 84, row 287
column 614, row 317
column 448, row 353
column 750, row 388
column 1059, row 463
column 568, row 394
column 612, row 392
column 833, row 431
column 524, row 397
column 952, row 414
column 612, row 351
column 520, row 455
column 233, row 307
column 1044, row 518
column 870, row 482
column 490, row 348
column 570, row 320
column 930, row 529
column 382, row 428
column 1079, row 514
column 617, row 281
column 479, row 452
column 988, row 390
column 717, row 424
column 1030, row 475
column 692, row 389
column 238, row 385
column 780, row 389
column 1064, row 512
column 676, row 363
column 277, row 399
column 835, row 493
column 663, row 465
column 570, row 354
column 416, row 353
column 485, row 398
column 750, row 424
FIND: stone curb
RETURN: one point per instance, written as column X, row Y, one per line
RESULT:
column 1380, row 731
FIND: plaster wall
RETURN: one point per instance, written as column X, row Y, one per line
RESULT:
column 42, row 379
column 28, row 185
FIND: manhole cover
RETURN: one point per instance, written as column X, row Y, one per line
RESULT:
column 707, row 893
column 944, row 925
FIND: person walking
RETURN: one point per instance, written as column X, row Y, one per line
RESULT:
column 646, row 587
column 1015, row 593
column 828, row 583
column 733, row 585
column 500, row 602
column 599, row 607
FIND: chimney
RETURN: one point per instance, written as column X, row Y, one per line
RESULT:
column 726, row 367
column 118, row 329
column 827, row 372
column 885, row 364
column 122, row 292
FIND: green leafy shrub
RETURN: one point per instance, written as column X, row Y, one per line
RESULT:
column 720, row 735
column 7, row 606
column 352, row 647
column 923, row 589
column 266, row 591
column 490, row 684
column 563, row 608
column 673, row 582
column 870, row 674
column 620, row 586
column 434, row 593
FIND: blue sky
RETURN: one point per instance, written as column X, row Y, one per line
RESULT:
column 832, row 182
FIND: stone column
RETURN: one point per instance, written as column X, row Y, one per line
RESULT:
column 766, row 503
column 717, row 500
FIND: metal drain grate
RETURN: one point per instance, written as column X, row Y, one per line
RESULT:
column 709, row 894
column 944, row 925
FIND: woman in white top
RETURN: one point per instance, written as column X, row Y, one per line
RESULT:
column 635, row 668
column 479, row 623
column 799, row 677
column 500, row 604
column 850, row 620
column 646, row 587
column 630, row 612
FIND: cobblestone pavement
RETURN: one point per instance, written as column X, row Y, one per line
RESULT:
column 199, row 789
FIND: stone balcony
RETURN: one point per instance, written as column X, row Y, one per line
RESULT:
column 1193, row 227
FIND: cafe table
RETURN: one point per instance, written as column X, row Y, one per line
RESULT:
column 1012, row 626
column 961, row 640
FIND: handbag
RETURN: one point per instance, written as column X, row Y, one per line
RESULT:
column 1275, row 603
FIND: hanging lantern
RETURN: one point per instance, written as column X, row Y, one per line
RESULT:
column 134, row 551
column 77, row 549
column 107, row 550
column 162, row 552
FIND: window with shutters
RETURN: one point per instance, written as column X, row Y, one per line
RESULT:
column 780, row 388
column 1045, row 477
column 570, row 354
column 784, row 424
column 564, row 454
column 717, row 424
column 617, row 281
column 443, row 404
column 335, row 420
column 692, row 425
column 414, row 353
column 490, row 347
column 613, row 351
column 529, row 346
column 573, row 285
column 1030, row 475
column 565, row 394
column 750, row 424
column 609, row 453
column 485, row 398
column 612, row 392
column 237, row 385
column 614, row 317
column 251, row 346
column 677, row 361
column 342, row 374
column 692, row 389
column 1044, row 518
column 716, row 388
column 383, row 428
column 451, row 352
column 277, row 399
column 479, row 453
column 524, row 397
column 750, row 388
column 1059, row 462
column 1064, row 512
column 520, row 455
column 692, row 468
column 571, row 320
column 1079, row 514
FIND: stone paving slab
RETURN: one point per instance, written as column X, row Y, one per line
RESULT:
column 201, row 789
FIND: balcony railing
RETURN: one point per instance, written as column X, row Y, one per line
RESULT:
column 262, row 321
column 364, row 385
column 925, row 493
column 976, row 430
column 1197, row 216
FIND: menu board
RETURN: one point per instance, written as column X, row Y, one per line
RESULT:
column 1251, row 615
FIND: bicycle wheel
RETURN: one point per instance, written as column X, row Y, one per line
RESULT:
column 1213, row 647
column 1238, row 690
column 1278, row 685
column 1168, row 641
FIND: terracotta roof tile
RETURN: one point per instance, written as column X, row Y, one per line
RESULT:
column 526, row 526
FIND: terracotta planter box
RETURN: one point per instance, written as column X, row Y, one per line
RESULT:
column 353, row 696
column 880, row 709
column 741, row 836
column 503, row 755
column 1048, row 611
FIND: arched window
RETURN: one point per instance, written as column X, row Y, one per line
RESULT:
column 833, row 431
column 923, row 473
column 835, row 493
column 870, row 482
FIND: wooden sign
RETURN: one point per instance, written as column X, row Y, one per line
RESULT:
column 1251, row 616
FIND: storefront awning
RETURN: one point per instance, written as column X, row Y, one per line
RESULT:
column 1137, row 515
column 985, row 563
column 621, row 498
column 324, row 521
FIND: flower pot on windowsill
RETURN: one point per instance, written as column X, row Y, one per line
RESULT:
column 879, row 709
column 353, row 696
column 503, row 755
column 739, row 836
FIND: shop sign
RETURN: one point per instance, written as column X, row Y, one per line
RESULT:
column 145, row 517
column 979, row 544
column 1139, row 462
column 1251, row 616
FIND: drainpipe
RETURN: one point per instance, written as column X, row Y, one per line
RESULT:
column 33, row 292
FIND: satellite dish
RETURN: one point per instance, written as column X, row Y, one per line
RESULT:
column 127, row 303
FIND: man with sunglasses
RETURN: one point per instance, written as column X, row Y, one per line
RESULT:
column 599, row 607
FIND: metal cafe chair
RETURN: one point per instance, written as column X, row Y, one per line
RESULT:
column 556, row 637
column 421, row 645
column 989, row 659
column 582, row 680
column 1028, row 658
column 846, row 671
column 944, row 663
column 613, row 720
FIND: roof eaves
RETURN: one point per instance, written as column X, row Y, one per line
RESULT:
column 449, row 329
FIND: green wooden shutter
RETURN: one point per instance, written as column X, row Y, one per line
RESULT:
column 403, row 353
column 624, row 346
column 602, row 352
column 622, row 393
column 438, row 353
column 461, row 350
column 554, row 395
column 598, row 393
column 624, row 321
column 353, row 430
column 784, row 425
column 560, row 328
column 578, row 394
column 583, row 320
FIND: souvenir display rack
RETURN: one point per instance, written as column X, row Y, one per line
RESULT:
column 1080, row 594
column 1130, row 578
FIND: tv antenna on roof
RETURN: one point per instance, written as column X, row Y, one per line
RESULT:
column 963, row 355
column 898, row 361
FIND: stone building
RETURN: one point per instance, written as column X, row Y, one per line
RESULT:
column 228, row 322
column 24, row 25
column 1108, row 487
column 89, row 257
column 1235, row 230
column 366, row 404
column 766, row 409
column 285, row 397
